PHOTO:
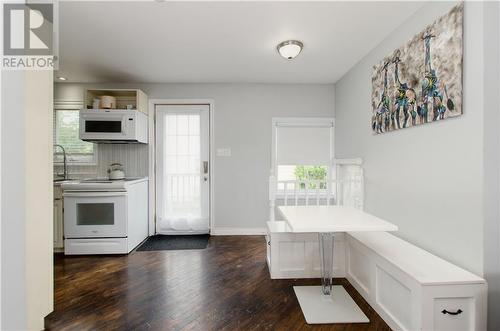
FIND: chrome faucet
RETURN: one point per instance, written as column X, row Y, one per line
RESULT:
column 65, row 163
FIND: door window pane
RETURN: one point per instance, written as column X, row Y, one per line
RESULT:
column 182, row 167
column 182, row 125
column 194, row 125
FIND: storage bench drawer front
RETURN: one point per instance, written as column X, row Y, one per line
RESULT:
column 454, row 307
column 454, row 314
column 95, row 246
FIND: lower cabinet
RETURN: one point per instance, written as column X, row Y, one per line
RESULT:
column 58, row 224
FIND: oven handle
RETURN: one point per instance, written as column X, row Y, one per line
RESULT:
column 94, row 194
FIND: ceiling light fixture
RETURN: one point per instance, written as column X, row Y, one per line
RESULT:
column 289, row 49
column 62, row 78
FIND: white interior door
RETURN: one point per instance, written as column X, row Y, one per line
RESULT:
column 182, row 169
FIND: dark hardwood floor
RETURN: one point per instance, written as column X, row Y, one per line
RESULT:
column 223, row 287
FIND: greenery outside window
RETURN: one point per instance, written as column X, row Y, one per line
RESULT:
column 312, row 173
column 66, row 134
column 302, row 174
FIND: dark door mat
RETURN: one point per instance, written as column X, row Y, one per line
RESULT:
column 175, row 242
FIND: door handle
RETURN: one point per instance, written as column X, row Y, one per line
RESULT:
column 205, row 171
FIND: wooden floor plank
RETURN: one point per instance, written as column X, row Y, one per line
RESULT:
column 223, row 287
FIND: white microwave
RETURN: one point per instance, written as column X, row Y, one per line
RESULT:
column 114, row 126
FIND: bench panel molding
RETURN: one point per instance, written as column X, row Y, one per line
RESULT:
column 358, row 268
column 394, row 298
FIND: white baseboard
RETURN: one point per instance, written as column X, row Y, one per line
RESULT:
column 229, row 231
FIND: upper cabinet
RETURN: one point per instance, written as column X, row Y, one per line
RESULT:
column 132, row 99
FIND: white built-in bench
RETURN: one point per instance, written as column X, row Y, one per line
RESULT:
column 412, row 289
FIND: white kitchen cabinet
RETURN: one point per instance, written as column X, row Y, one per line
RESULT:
column 58, row 219
column 58, row 224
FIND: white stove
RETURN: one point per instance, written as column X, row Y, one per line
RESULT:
column 104, row 216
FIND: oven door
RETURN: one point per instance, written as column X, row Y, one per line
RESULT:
column 95, row 214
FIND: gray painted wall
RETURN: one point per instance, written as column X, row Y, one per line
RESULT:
column 438, row 182
column 243, row 115
column 14, row 303
column 26, row 192
column 425, row 179
column 492, row 161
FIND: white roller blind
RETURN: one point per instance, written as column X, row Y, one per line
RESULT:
column 303, row 145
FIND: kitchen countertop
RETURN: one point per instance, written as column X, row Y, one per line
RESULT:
column 101, row 184
column 131, row 180
column 60, row 182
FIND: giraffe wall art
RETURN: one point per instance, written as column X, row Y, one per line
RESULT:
column 421, row 81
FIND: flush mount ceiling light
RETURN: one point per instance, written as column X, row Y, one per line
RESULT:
column 61, row 78
column 289, row 49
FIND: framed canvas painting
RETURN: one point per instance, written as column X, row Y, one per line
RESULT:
column 421, row 81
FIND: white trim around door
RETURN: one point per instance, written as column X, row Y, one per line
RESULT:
column 152, row 152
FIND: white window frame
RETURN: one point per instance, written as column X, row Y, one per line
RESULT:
column 72, row 106
column 301, row 122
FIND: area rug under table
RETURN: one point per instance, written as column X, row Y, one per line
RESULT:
column 174, row 242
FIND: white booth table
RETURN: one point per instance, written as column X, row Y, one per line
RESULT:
column 326, row 303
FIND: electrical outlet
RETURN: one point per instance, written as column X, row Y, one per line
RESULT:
column 224, row 151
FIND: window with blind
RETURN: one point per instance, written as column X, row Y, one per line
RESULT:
column 66, row 134
column 303, row 152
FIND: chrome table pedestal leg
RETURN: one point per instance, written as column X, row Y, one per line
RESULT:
column 327, row 303
column 326, row 258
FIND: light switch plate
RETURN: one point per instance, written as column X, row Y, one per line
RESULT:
column 224, row 151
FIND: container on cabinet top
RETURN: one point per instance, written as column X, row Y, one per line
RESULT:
column 108, row 102
column 125, row 99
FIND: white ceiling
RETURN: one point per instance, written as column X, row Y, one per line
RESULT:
column 215, row 42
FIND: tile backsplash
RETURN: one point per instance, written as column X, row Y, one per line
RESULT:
column 134, row 158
